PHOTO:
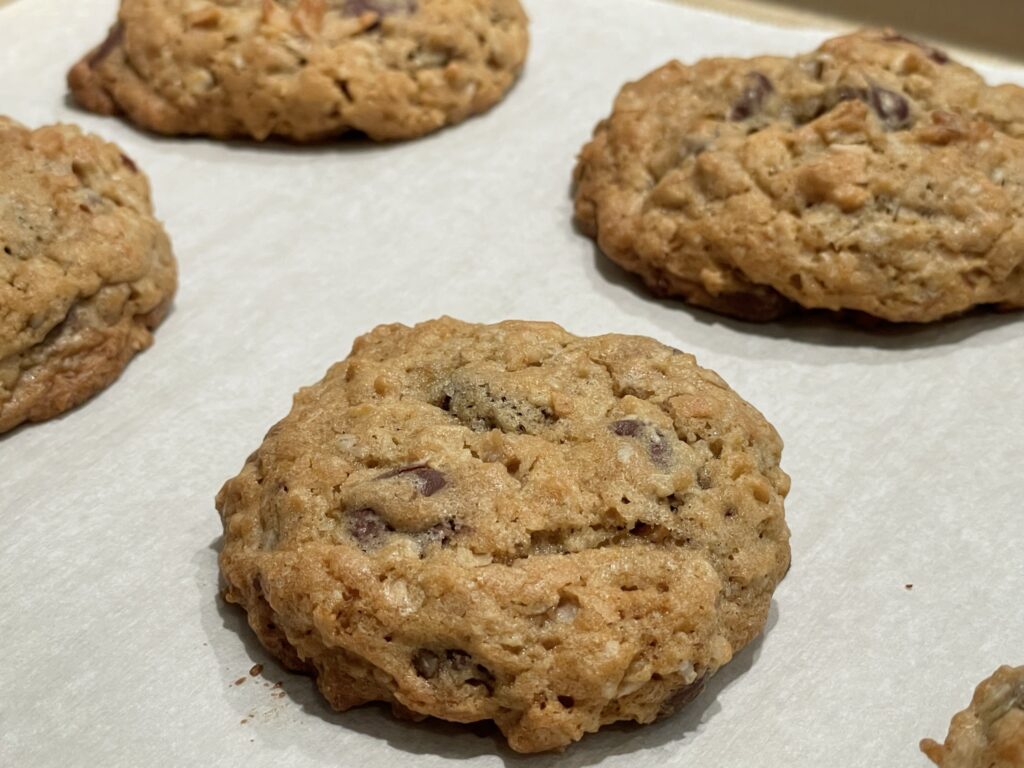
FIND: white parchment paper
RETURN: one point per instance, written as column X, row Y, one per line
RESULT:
column 905, row 448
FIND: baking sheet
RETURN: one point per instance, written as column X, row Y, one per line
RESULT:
column 905, row 447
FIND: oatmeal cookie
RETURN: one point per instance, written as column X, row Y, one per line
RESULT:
column 990, row 732
column 86, row 271
column 874, row 174
column 510, row 523
column 303, row 69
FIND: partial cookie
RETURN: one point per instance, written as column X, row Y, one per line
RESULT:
column 990, row 732
column 510, row 523
column 86, row 272
column 874, row 174
column 303, row 69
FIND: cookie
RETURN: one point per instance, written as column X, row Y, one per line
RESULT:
column 510, row 523
column 86, row 272
column 874, row 175
column 303, row 70
column 990, row 732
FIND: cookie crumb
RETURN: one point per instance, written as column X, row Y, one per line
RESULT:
column 255, row 670
column 240, row 680
column 908, row 587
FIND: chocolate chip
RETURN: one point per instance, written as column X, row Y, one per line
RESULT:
column 442, row 533
column 379, row 7
column 627, row 428
column 847, row 93
column 657, row 445
column 426, row 663
column 460, row 661
column 684, row 695
column 114, row 38
column 890, row 106
column 659, row 449
column 482, row 676
column 428, row 480
column 367, row 527
column 756, row 88
column 129, row 163
column 935, row 54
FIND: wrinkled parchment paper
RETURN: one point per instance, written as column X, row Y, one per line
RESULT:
column 905, row 447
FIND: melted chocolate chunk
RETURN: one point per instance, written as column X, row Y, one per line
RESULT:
column 751, row 100
column 627, row 428
column 442, row 533
column 890, row 106
column 460, row 661
column 367, row 527
column 379, row 7
column 658, row 447
column 114, row 38
column 455, row 665
column 482, row 676
column 428, row 480
column 684, row 696
column 935, row 54
column 426, row 663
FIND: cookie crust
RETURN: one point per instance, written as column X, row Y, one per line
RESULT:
column 303, row 70
column 873, row 174
column 990, row 732
column 510, row 523
column 86, row 271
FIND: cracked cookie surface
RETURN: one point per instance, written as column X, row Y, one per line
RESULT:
column 303, row 70
column 86, row 271
column 873, row 174
column 990, row 732
column 510, row 523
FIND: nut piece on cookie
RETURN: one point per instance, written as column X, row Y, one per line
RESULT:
column 86, row 271
column 510, row 523
column 990, row 732
column 872, row 176
column 303, row 70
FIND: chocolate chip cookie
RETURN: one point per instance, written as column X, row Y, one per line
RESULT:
column 990, row 732
column 874, row 175
column 86, row 272
column 510, row 523
column 303, row 69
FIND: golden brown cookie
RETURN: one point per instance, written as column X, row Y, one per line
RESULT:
column 86, row 271
column 990, row 732
column 510, row 523
column 873, row 174
column 303, row 69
